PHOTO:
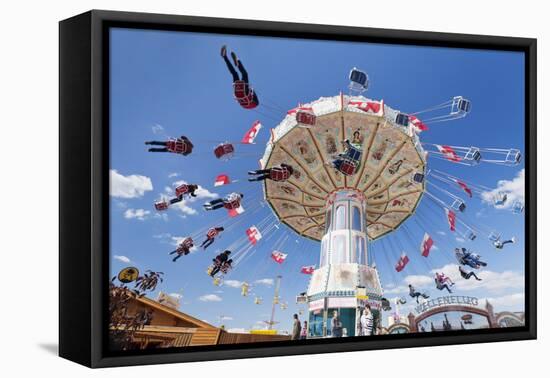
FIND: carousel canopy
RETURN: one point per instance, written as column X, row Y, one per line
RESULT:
column 390, row 157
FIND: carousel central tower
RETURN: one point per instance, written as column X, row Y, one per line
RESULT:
column 344, row 280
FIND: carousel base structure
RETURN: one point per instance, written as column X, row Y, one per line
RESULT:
column 345, row 288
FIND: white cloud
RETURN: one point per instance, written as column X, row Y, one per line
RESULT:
column 139, row 214
column 173, row 174
column 233, row 283
column 460, row 240
column 176, row 295
column 210, row 298
column 507, row 301
column 514, row 189
column 162, row 216
column 418, row 280
column 184, row 208
column 265, row 281
column 121, row 258
column 442, row 233
column 396, row 290
column 225, row 318
column 121, row 204
column 132, row 186
column 157, row 129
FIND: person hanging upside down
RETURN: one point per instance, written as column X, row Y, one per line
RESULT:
column 441, row 282
column 465, row 257
column 181, row 145
column 466, row 275
column 210, row 236
column 244, row 94
column 500, row 244
column 231, row 201
column 416, row 294
column 183, row 249
column 219, row 261
column 281, row 173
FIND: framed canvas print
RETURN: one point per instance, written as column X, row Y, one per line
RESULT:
column 235, row 188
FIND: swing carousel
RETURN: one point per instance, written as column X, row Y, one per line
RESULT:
column 378, row 186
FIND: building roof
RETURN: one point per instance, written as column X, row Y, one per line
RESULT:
column 173, row 312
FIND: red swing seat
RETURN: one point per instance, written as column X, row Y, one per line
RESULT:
column 307, row 118
column 348, row 167
column 182, row 189
column 244, row 94
column 178, row 146
column 161, row 205
column 233, row 204
column 212, row 233
column 224, row 150
column 279, row 174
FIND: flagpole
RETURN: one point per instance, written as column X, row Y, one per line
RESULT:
column 275, row 299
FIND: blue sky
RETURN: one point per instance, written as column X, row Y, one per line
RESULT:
column 166, row 84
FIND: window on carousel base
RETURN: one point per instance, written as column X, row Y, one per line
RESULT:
column 315, row 323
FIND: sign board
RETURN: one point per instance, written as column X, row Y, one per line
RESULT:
column 319, row 304
column 446, row 301
column 301, row 299
column 374, row 305
column 342, row 302
column 361, row 293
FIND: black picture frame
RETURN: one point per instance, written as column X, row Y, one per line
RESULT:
column 84, row 185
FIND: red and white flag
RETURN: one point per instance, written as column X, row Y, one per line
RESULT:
column 402, row 263
column 251, row 134
column 448, row 152
column 451, row 218
column 234, row 212
column 254, row 235
column 302, row 108
column 308, row 269
column 418, row 124
column 222, row 180
column 427, row 244
column 368, row 106
column 278, row 256
column 464, row 187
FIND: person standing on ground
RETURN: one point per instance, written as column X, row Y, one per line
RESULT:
column 303, row 334
column 366, row 322
column 336, row 325
column 296, row 328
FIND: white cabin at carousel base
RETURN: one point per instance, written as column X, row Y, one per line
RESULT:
column 343, row 288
